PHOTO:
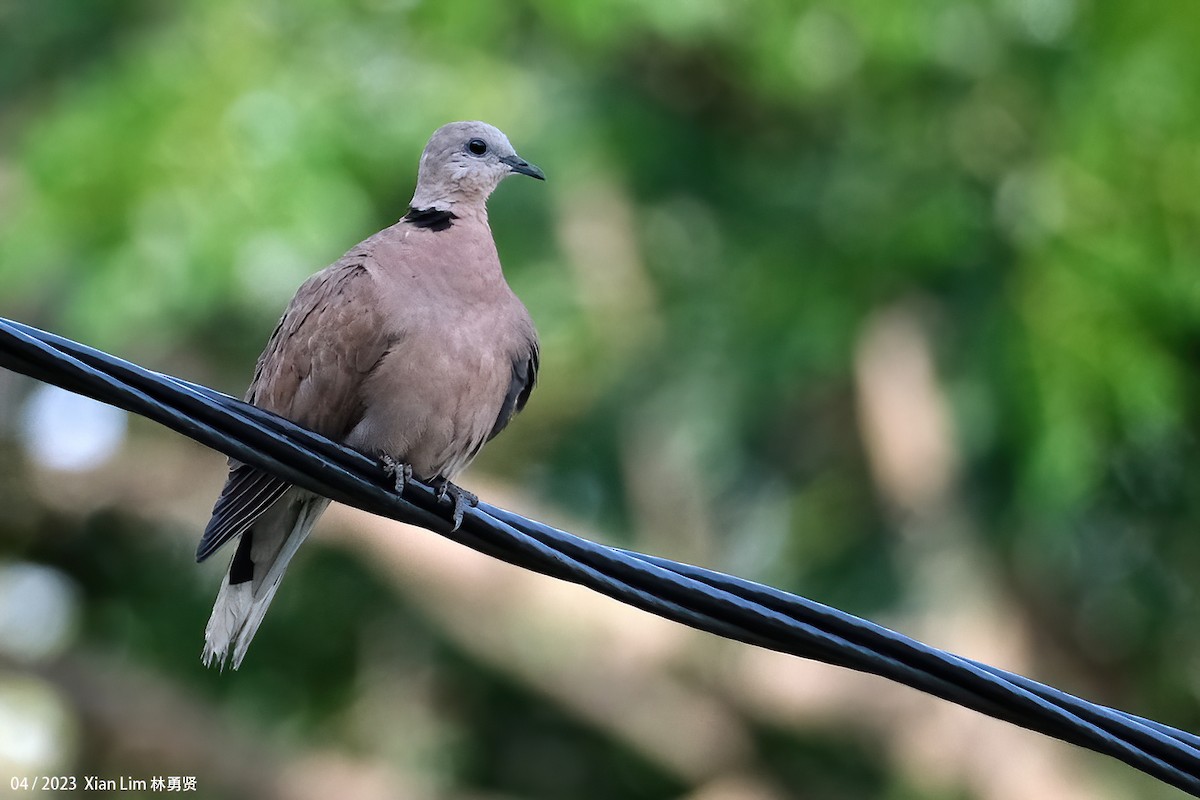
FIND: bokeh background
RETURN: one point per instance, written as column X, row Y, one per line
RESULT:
column 894, row 305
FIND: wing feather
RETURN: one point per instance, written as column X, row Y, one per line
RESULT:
column 247, row 494
column 524, row 377
column 311, row 372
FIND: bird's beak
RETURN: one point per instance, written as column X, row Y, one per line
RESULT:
column 518, row 164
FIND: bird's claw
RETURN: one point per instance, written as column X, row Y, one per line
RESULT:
column 459, row 497
column 400, row 472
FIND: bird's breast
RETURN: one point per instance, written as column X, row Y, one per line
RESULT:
column 435, row 395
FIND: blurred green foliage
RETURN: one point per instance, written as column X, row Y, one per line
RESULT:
column 736, row 189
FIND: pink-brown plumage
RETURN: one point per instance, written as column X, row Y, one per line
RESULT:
column 410, row 347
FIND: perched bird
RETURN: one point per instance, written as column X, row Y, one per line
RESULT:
column 410, row 348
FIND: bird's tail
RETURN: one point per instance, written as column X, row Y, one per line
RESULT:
column 254, row 573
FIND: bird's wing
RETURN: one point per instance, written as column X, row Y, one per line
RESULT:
column 329, row 339
column 524, row 376
column 247, row 494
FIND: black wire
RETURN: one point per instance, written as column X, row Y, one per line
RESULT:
column 721, row 604
column 882, row 637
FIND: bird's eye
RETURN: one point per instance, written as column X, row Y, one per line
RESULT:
column 477, row 146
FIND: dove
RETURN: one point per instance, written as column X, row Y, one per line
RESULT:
column 411, row 348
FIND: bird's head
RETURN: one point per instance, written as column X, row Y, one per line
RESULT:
column 463, row 163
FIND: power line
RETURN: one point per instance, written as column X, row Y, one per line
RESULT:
column 711, row 601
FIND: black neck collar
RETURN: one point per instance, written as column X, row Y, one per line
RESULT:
column 432, row 218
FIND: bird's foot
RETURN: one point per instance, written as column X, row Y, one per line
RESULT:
column 459, row 497
column 400, row 472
